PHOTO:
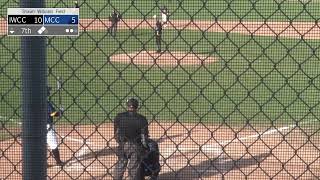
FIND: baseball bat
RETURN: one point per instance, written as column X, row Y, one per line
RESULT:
column 59, row 87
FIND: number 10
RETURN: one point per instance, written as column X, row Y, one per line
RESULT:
column 37, row 20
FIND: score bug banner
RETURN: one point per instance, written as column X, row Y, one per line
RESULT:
column 43, row 21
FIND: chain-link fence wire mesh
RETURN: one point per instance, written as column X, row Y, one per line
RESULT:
column 232, row 94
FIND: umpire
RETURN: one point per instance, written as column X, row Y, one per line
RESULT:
column 131, row 131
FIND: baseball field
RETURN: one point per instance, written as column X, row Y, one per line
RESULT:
column 235, row 95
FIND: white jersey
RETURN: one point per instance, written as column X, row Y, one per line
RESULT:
column 51, row 138
column 164, row 17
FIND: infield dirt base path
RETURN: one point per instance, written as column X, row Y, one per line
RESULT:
column 172, row 58
column 306, row 30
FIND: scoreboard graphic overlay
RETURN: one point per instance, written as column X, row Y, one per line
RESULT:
column 43, row 21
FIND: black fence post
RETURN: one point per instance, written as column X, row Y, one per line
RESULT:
column 34, row 80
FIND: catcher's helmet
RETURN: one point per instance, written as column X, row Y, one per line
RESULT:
column 133, row 103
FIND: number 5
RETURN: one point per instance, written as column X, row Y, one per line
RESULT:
column 73, row 19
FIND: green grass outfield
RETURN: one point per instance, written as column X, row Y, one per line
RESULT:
column 255, row 79
column 251, row 10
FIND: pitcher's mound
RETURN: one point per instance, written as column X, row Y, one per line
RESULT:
column 174, row 58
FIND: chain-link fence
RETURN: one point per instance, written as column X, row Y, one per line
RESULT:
column 230, row 88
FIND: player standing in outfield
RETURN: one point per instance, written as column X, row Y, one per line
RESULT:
column 164, row 16
column 51, row 134
column 76, row 4
column 114, row 18
column 158, row 34
column 131, row 131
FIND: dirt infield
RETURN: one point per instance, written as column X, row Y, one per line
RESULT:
column 188, row 151
column 307, row 30
column 172, row 58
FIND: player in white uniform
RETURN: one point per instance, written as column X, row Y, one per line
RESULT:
column 164, row 16
column 51, row 134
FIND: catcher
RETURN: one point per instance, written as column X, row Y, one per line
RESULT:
column 150, row 165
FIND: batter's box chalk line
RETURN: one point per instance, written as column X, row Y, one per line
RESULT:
column 212, row 150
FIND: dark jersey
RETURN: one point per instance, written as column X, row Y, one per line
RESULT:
column 115, row 17
column 52, row 113
column 150, row 163
column 158, row 30
column 51, row 110
column 128, row 126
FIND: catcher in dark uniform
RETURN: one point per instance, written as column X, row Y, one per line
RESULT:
column 150, row 165
column 131, row 132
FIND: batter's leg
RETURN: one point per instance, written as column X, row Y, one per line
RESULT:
column 115, row 29
column 53, row 144
column 56, row 156
column 158, row 42
column 111, row 29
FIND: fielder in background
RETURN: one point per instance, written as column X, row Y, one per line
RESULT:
column 131, row 131
column 158, row 34
column 76, row 4
column 164, row 16
column 114, row 18
column 51, row 133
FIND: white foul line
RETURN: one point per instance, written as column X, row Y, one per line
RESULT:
column 269, row 132
column 217, row 149
column 76, row 140
column 74, row 164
